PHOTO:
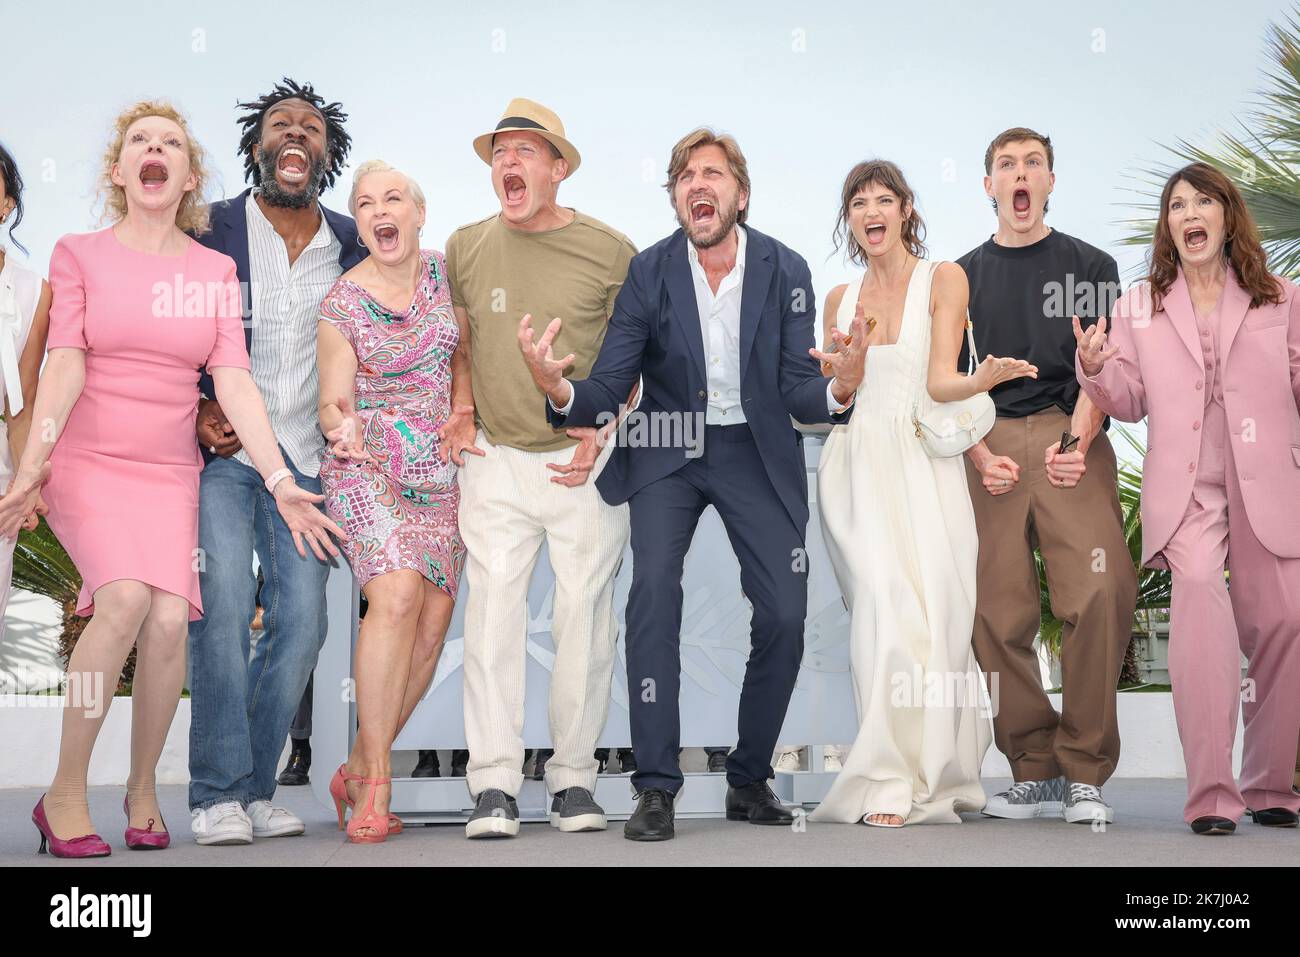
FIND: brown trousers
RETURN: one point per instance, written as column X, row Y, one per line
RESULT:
column 1093, row 589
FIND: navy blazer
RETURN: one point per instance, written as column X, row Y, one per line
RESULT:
column 655, row 333
column 229, row 235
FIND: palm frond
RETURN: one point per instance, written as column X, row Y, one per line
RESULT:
column 1262, row 158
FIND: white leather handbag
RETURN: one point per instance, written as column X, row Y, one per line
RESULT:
column 950, row 428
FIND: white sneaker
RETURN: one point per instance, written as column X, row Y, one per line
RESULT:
column 1083, row 805
column 224, row 823
column 831, row 761
column 788, row 760
column 271, row 821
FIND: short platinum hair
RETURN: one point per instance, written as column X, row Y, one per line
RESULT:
column 379, row 166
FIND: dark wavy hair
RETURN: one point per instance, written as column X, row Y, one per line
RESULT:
column 888, row 175
column 337, row 141
column 1241, row 246
column 14, row 189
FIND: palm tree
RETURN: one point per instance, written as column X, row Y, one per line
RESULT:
column 1262, row 159
column 42, row 567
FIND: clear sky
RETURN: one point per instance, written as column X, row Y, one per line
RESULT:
column 808, row 89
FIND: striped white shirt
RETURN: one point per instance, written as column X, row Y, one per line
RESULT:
column 286, row 304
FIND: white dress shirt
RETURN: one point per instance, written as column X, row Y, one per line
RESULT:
column 720, row 331
column 286, row 305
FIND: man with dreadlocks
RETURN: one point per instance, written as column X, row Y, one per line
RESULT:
column 288, row 250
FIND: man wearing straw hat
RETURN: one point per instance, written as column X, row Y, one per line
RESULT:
column 524, row 482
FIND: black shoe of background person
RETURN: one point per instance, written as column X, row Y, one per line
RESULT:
column 1273, row 817
column 626, row 761
column 717, row 761
column 653, row 818
column 539, row 766
column 296, row 769
column 459, row 762
column 756, row 804
column 602, row 759
column 1213, row 824
column 427, row 766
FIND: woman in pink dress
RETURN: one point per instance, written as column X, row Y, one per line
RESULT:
column 385, row 341
column 137, row 309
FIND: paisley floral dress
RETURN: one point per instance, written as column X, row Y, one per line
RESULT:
column 399, row 511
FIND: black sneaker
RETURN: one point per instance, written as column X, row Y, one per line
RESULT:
column 717, row 761
column 495, row 815
column 427, row 766
column 295, row 773
column 574, row 809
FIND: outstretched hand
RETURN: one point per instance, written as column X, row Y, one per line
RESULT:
column 1092, row 346
column 847, row 360
column 307, row 522
column 348, row 439
column 547, row 371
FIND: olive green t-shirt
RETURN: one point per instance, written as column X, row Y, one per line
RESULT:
column 497, row 274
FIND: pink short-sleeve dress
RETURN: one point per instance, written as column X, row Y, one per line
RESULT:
column 123, row 490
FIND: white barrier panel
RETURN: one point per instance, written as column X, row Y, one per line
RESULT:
column 715, row 645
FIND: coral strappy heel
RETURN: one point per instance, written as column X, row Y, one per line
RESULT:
column 369, row 827
column 339, row 792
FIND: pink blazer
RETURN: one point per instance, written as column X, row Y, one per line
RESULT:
column 1159, row 373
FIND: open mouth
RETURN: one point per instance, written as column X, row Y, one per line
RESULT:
column 385, row 237
column 515, row 187
column 1194, row 238
column 293, row 164
column 703, row 211
column 1020, row 201
column 153, row 175
column 875, row 234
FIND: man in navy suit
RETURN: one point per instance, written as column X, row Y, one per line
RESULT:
column 717, row 321
column 288, row 251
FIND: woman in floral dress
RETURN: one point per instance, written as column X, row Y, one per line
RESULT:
column 386, row 338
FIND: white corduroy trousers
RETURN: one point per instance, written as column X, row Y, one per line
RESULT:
column 508, row 507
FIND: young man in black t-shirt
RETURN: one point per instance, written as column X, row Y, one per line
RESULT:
column 1026, row 283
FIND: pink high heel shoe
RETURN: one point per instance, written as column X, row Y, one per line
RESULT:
column 339, row 792
column 87, row 845
column 144, row 838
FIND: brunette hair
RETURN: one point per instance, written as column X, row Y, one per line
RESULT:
column 887, row 175
column 1241, row 246
column 703, row 136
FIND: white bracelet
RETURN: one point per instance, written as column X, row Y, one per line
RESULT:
column 275, row 478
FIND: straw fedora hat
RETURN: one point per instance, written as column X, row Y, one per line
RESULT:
column 530, row 117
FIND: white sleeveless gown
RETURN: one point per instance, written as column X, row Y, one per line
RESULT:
column 900, row 530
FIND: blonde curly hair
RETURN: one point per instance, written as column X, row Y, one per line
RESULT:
column 192, row 213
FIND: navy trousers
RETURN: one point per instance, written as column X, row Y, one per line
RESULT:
column 729, row 476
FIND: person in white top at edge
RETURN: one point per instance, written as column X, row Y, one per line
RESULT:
column 24, row 321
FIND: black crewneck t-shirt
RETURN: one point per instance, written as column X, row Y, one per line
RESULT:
column 1022, row 299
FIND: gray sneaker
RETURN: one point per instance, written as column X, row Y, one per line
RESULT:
column 495, row 815
column 1028, row 799
column 574, row 809
column 1083, row 805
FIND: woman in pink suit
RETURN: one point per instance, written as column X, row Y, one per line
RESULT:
column 137, row 309
column 1209, row 350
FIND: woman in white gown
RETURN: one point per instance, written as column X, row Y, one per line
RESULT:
column 899, row 525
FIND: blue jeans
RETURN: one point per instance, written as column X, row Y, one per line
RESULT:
column 242, row 699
